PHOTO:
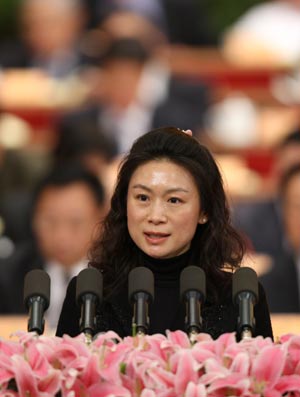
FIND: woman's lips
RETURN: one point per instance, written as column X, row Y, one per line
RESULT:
column 156, row 238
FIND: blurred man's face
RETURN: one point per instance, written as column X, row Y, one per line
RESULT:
column 121, row 80
column 48, row 28
column 64, row 222
column 291, row 208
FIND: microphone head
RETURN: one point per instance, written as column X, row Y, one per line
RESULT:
column 244, row 280
column 192, row 278
column 89, row 281
column 37, row 283
column 140, row 279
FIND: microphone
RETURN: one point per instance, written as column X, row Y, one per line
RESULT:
column 36, row 298
column 141, row 294
column 245, row 294
column 193, row 293
column 89, row 291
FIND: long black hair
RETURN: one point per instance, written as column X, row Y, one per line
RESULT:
column 215, row 244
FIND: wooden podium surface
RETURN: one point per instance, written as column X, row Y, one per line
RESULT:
column 282, row 324
column 11, row 324
column 285, row 324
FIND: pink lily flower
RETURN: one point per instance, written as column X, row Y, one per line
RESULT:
column 185, row 368
column 148, row 393
column 108, row 338
column 292, row 343
column 154, row 376
column 195, row 390
column 178, row 339
column 25, row 378
column 267, row 368
column 6, row 370
column 288, row 384
column 231, row 385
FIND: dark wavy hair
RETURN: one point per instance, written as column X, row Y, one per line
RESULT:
column 215, row 244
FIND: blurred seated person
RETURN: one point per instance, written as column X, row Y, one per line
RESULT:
column 67, row 205
column 260, row 220
column 267, row 35
column 152, row 11
column 50, row 34
column 19, row 170
column 282, row 283
column 124, row 23
column 186, row 22
column 15, row 183
column 86, row 143
column 137, row 93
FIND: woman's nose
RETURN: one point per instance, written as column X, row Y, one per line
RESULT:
column 157, row 213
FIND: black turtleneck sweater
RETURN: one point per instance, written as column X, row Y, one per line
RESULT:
column 167, row 312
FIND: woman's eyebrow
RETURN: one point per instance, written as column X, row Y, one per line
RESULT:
column 141, row 186
column 171, row 190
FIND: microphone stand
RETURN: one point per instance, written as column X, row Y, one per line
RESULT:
column 88, row 339
column 192, row 291
column 89, row 289
column 246, row 316
column 140, row 320
column 193, row 316
column 246, row 334
column 36, row 321
column 87, row 318
column 36, row 299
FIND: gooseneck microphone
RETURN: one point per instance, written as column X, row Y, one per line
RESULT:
column 193, row 293
column 245, row 295
column 140, row 294
column 36, row 298
column 89, row 292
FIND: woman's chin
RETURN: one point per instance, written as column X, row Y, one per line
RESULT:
column 156, row 254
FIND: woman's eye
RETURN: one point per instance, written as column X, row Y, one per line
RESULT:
column 142, row 197
column 174, row 200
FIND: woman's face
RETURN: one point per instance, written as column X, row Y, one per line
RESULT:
column 163, row 208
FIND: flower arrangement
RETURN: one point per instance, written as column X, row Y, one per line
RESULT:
column 149, row 366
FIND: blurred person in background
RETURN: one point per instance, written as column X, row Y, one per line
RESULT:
column 50, row 37
column 20, row 167
column 86, row 143
column 186, row 22
column 68, row 203
column 152, row 11
column 137, row 92
column 266, row 35
column 282, row 283
column 261, row 220
column 15, row 182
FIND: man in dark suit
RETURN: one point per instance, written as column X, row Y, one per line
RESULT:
column 282, row 283
column 261, row 220
column 260, row 223
column 282, row 286
column 138, row 93
column 67, row 205
column 264, row 224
